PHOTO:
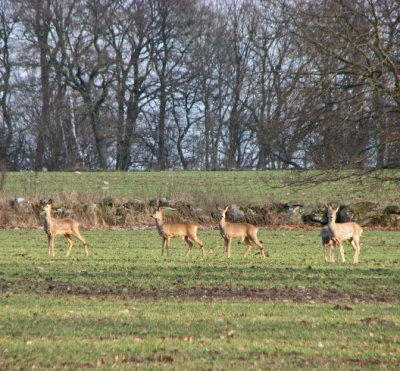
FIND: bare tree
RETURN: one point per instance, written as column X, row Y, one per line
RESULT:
column 85, row 65
column 40, row 47
column 171, row 40
column 129, row 39
column 276, row 79
column 208, row 64
column 7, row 26
column 359, row 41
column 157, row 84
column 186, row 116
column 239, row 28
column 36, row 17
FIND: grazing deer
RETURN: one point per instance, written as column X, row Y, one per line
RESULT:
column 168, row 230
column 67, row 227
column 344, row 231
column 247, row 232
column 328, row 245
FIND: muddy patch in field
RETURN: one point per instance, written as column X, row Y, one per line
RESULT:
column 301, row 295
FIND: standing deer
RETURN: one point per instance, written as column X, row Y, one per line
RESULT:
column 247, row 232
column 344, row 231
column 168, row 230
column 67, row 227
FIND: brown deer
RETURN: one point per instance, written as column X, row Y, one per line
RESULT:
column 247, row 232
column 344, row 231
column 168, row 230
column 67, row 227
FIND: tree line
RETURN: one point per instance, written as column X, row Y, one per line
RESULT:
column 199, row 84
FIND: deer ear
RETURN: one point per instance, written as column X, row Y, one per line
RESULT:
column 226, row 209
column 50, row 201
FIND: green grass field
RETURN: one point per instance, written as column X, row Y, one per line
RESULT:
column 127, row 307
column 245, row 187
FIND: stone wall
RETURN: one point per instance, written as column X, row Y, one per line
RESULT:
column 134, row 213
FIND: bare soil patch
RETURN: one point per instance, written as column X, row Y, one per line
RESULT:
column 298, row 295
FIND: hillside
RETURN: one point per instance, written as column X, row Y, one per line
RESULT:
column 266, row 198
column 242, row 187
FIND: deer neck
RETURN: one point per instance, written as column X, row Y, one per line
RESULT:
column 331, row 221
column 47, row 220
column 160, row 225
column 222, row 224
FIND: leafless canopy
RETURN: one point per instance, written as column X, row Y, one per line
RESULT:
column 197, row 84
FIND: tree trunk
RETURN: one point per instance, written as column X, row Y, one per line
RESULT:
column 162, row 163
column 100, row 139
column 42, row 30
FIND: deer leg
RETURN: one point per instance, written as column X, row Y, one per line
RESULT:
column 52, row 245
column 200, row 243
column 325, row 248
column 330, row 249
column 164, row 241
column 248, row 244
column 49, row 243
column 81, row 238
column 352, row 242
column 203, row 251
column 356, row 248
column 341, row 251
column 85, row 245
column 71, row 243
column 167, row 240
column 260, row 245
column 228, row 247
column 190, row 244
column 225, row 251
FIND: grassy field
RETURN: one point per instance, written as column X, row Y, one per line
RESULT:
column 245, row 187
column 127, row 307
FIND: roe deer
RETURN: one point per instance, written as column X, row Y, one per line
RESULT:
column 344, row 231
column 67, row 227
column 328, row 245
column 247, row 232
column 168, row 230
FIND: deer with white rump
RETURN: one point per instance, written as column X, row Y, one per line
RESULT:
column 247, row 232
column 67, row 227
column 168, row 230
column 343, row 231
